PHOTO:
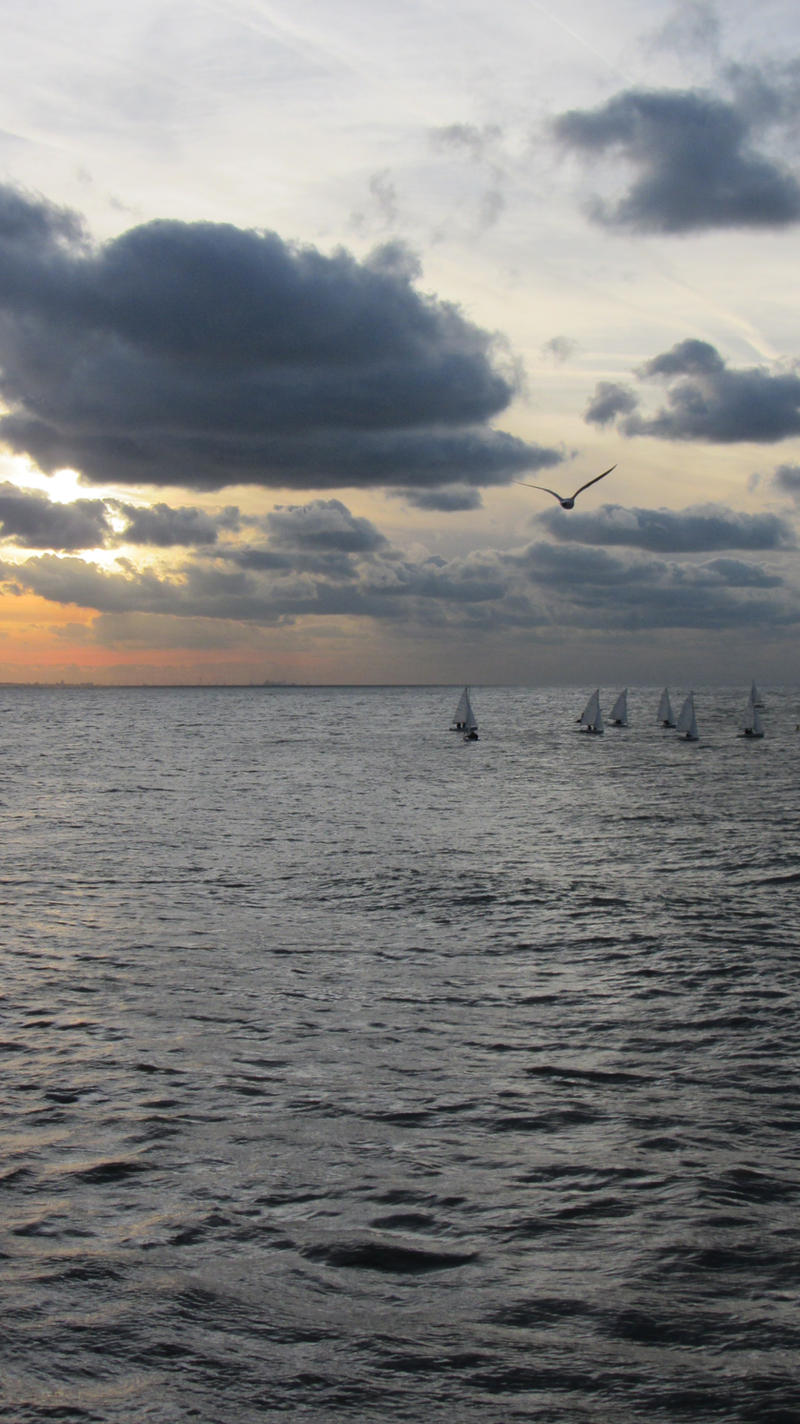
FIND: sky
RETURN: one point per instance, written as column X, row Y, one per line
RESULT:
column 296, row 303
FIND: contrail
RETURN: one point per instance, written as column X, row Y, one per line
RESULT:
column 548, row 14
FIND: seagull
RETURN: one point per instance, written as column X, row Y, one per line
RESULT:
column 569, row 501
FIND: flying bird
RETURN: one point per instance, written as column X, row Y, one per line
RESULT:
column 568, row 501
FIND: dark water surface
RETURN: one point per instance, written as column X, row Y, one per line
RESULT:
column 351, row 1072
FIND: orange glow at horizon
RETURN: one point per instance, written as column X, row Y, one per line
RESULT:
column 42, row 641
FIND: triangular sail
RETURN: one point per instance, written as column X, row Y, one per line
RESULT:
column 665, row 715
column 755, row 696
column 752, row 725
column 463, row 713
column 619, row 712
column 686, row 715
column 591, row 717
column 588, row 716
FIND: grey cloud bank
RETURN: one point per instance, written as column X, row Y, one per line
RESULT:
column 688, row 531
column 320, row 560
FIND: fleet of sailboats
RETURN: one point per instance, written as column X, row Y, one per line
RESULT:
column 591, row 718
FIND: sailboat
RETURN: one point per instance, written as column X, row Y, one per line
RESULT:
column 664, row 714
column 755, row 696
column 463, row 714
column 752, row 726
column 687, row 721
column 619, row 712
column 591, row 718
column 470, row 727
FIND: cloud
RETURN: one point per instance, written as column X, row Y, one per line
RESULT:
column 559, row 348
column 611, row 593
column 787, row 480
column 324, row 524
column 693, row 155
column 204, row 355
column 448, row 499
column 161, row 526
column 33, row 521
column 476, row 143
column 702, row 529
column 609, row 401
column 322, row 562
column 706, row 400
column 692, row 26
column 384, row 193
column 482, row 147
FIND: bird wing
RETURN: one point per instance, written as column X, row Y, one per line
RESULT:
column 541, row 487
column 591, row 482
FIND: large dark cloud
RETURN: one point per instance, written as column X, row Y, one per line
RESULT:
column 694, row 156
column 706, row 399
column 203, row 355
column 702, row 529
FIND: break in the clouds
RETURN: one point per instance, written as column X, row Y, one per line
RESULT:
column 707, row 399
column 32, row 521
column 695, row 156
column 704, row 529
column 29, row 519
column 203, row 355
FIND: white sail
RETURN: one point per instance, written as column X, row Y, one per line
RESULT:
column 463, row 715
column 752, row 726
column 591, row 717
column 664, row 715
column 686, row 715
column 687, row 721
column 619, row 712
column 755, row 696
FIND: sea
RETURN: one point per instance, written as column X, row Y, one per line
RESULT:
column 352, row 1072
